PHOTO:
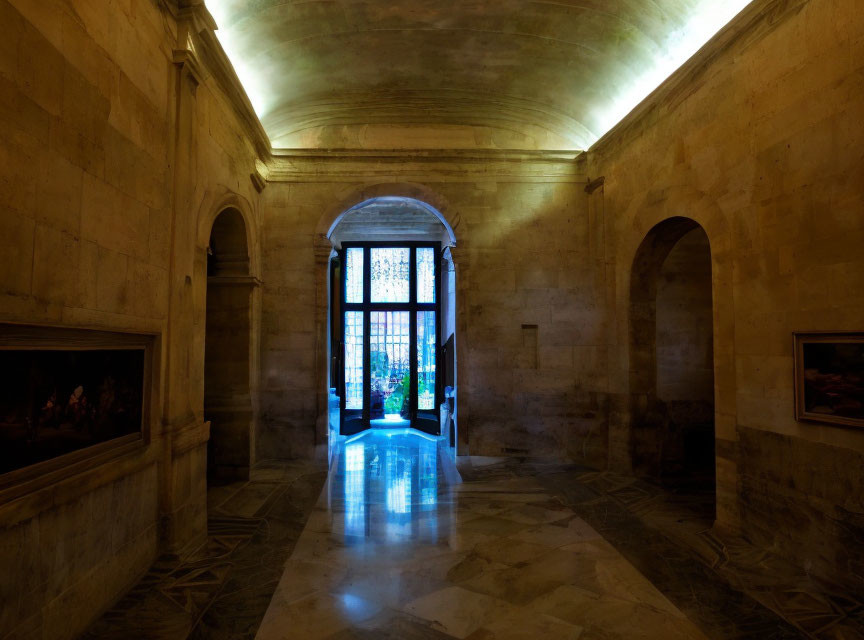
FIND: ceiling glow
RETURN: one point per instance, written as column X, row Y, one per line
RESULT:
column 235, row 48
column 705, row 21
column 625, row 77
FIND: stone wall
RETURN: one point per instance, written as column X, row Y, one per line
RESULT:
column 99, row 228
column 758, row 140
column 526, row 256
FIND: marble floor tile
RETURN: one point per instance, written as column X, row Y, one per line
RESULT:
column 458, row 612
column 730, row 589
column 494, row 525
column 392, row 542
column 515, row 627
column 223, row 589
column 558, row 535
column 508, row 550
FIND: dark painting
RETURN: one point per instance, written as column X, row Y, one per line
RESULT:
column 54, row 402
column 831, row 378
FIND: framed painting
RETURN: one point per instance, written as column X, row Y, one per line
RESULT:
column 69, row 395
column 829, row 378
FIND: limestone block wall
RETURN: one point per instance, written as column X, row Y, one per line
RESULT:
column 528, row 262
column 99, row 220
column 759, row 141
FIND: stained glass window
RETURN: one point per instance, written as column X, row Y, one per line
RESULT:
column 425, row 274
column 389, row 340
column 426, row 360
column 354, row 275
column 353, row 359
column 385, row 289
column 390, row 269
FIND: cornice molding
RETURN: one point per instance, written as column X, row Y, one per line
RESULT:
column 223, row 73
column 483, row 155
column 187, row 58
column 199, row 50
column 334, row 165
column 259, row 176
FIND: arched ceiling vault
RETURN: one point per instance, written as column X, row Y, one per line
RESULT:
column 388, row 218
column 556, row 73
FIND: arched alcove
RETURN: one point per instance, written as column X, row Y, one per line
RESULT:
column 227, row 397
column 672, row 360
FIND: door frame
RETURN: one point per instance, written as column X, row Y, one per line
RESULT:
column 419, row 420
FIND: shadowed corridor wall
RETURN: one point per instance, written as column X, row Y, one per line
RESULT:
column 761, row 145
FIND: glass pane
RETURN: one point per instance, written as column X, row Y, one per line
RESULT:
column 425, row 274
column 390, row 365
column 390, row 268
column 353, row 359
column 354, row 275
column 426, row 360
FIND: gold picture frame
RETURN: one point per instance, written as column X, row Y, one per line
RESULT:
column 829, row 377
column 27, row 338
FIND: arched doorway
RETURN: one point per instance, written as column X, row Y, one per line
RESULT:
column 672, row 361
column 227, row 397
column 392, row 328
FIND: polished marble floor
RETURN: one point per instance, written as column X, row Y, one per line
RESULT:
column 221, row 591
column 399, row 547
column 395, row 543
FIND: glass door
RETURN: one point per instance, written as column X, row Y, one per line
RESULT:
column 389, row 348
column 390, row 367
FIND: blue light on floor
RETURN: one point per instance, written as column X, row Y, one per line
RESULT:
column 389, row 481
column 355, row 489
column 390, row 421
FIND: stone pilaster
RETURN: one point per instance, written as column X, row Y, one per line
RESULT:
column 462, row 265
column 183, row 495
column 323, row 250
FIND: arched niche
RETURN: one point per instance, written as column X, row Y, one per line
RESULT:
column 227, row 349
column 672, row 361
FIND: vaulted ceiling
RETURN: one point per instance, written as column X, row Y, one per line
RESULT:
column 557, row 73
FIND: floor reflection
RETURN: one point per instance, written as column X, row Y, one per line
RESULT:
column 400, row 546
column 387, row 485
